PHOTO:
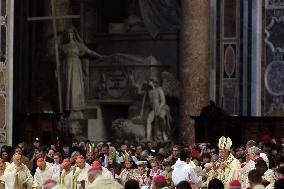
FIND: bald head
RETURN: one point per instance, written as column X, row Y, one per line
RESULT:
column 254, row 150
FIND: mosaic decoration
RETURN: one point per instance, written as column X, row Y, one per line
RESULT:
column 3, row 110
column 230, row 61
column 274, row 78
column 274, row 4
column 273, row 65
column 229, row 100
column 3, row 70
column 275, row 34
column 228, row 72
column 229, row 80
column 2, row 81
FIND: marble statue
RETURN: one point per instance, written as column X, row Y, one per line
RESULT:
column 76, row 130
column 73, row 49
column 158, row 120
column 156, row 124
column 124, row 130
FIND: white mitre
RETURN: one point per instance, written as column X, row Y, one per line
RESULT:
column 225, row 143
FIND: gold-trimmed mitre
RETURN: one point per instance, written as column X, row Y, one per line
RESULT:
column 112, row 153
column 90, row 147
column 225, row 143
column 126, row 157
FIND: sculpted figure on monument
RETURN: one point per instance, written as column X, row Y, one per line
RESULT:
column 156, row 124
column 158, row 120
column 73, row 50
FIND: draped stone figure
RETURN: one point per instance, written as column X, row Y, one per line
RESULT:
column 73, row 49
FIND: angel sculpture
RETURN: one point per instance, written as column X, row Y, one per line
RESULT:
column 159, row 118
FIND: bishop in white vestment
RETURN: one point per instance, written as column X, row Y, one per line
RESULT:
column 43, row 172
column 80, row 176
column 17, row 175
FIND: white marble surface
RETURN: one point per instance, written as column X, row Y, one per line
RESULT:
column 256, row 57
column 245, row 58
column 96, row 128
column 9, row 105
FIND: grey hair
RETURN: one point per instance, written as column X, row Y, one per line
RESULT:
column 255, row 150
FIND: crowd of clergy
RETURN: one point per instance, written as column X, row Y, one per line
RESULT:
column 85, row 165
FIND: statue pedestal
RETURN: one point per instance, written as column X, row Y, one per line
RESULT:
column 96, row 127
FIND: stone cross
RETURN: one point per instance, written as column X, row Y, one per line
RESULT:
column 54, row 18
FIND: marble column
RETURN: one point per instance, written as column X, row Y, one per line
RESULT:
column 9, row 72
column 256, row 57
column 6, row 72
column 194, row 65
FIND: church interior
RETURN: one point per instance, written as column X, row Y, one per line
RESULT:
column 96, row 69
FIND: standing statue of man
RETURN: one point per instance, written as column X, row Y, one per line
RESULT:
column 73, row 78
column 159, row 113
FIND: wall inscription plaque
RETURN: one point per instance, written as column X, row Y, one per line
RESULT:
column 116, row 83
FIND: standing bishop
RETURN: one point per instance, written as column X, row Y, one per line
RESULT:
column 17, row 175
column 80, row 176
column 44, row 171
column 227, row 167
column 65, row 176
column 98, row 181
column 105, row 171
column 253, row 156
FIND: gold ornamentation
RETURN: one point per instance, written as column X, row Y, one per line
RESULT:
column 225, row 143
column 112, row 153
column 90, row 147
column 126, row 157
